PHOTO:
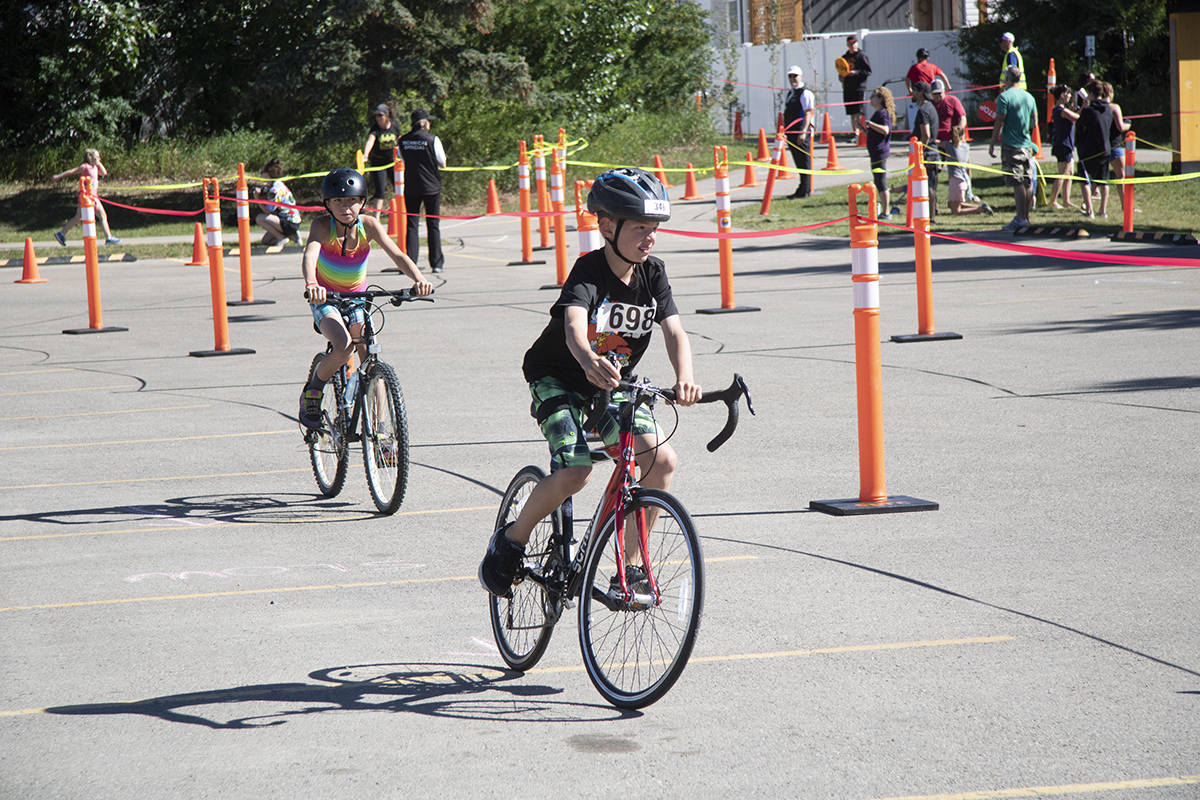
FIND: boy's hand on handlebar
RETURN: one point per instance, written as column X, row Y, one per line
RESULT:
column 315, row 293
column 687, row 393
column 421, row 288
column 603, row 373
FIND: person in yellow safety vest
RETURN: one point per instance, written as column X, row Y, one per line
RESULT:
column 1011, row 58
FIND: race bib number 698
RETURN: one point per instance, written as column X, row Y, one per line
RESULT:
column 622, row 318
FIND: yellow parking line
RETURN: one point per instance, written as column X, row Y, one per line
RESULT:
column 224, row 523
column 1051, row 791
column 160, row 478
column 64, row 391
column 281, row 589
column 104, row 413
column 150, row 441
column 39, row 371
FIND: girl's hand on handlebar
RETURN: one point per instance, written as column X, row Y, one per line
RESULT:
column 687, row 393
column 603, row 373
column 315, row 293
column 421, row 288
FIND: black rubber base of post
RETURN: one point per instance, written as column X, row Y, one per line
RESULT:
column 106, row 329
column 926, row 337
column 734, row 310
column 249, row 302
column 234, row 351
column 893, row 504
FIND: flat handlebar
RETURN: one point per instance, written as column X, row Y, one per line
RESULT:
column 398, row 295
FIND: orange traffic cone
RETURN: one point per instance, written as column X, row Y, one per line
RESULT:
column 199, row 251
column 862, row 138
column 967, row 133
column 690, row 191
column 1037, row 142
column 493, row 199
column 763, row 153
column 831, row 160
column 750, row 179
column 29, row 274
column 660, row 172
column 826, row 131
column 737, row 125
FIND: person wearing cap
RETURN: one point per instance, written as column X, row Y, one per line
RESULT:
column 951, row 115
column 925, row 130
column 799, row 111
column 1011, row 58
column 423, row 156
column 1016, row 114
column 925, row 70
column 858, row 70
column 378, row 152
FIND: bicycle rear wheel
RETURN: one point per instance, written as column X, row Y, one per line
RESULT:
column 327, row 448
column 385, row 438
column 635, row 649
column 522, row 623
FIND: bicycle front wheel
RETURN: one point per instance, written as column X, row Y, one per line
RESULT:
column 327, row 448
column 522, row 623
column 635, row 648
column 385, row 439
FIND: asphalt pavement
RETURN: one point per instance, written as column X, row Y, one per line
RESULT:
column 183, row 615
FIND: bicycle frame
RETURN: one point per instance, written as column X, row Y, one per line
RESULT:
column 360, row 391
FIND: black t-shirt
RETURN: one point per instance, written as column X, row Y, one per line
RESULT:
column 620, row 319
column 385, row 144
column 860, row 70
column 1091, row 131
column 421, row 176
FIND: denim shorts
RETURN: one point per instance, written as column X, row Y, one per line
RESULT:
column 1116, row 154
column 355, row 314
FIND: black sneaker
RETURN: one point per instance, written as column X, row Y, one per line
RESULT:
column 310, row 407
column 635, row 579
column 500, row 563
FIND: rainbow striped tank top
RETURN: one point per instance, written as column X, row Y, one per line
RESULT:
column 343, row 273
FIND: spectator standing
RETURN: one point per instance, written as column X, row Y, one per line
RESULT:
column 960, row 177
column 423, row 157
column 858, row 70
column 1092, row 143
column 379, row 152
column 951, row 115
column 925, row 129
column 799, row 110
column 93, row 169
column 280, row 219
column 1011, row 57
column 925, row 70
column 1062, row 143
column 879, row 147
column 1016, row 114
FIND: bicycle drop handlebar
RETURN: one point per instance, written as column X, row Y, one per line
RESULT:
column 729, row 396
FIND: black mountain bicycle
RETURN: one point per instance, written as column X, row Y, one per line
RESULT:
column 363, row 405
column 637, row 571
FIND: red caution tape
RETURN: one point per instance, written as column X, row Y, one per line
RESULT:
column 153, row 210
column 754, row 234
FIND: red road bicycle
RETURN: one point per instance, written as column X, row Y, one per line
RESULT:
column 636, row 573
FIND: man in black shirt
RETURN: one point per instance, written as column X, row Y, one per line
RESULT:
column 854, row 81
column 423, row 155
column 925, row 128
column 799, row 110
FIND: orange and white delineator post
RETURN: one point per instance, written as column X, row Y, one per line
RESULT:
column 557, row 200
column 543, row 196
column 1127, row 189
column 724, row 225
column 526, row 206
column 918, row 198
column 401, row 207
column 585, row 222
column 242, row 193
column 216, row 274
column 91, row 261
column 864, row 261
column 768, row 190
column 1051, row 80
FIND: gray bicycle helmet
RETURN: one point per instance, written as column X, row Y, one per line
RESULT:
column 629, row 193
column 343, row 182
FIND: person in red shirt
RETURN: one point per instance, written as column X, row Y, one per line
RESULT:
column 925, row 70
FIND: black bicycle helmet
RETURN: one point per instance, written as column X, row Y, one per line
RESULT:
column 343, row 182
column 629, row 193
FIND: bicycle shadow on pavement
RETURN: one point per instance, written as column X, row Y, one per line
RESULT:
column 294, row 507
column 455, row 691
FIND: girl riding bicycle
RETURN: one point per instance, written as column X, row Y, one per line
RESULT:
column 335, row 259
column 605, row 313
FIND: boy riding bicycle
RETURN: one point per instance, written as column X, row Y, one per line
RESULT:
column 605, row 313
column 335, row 259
